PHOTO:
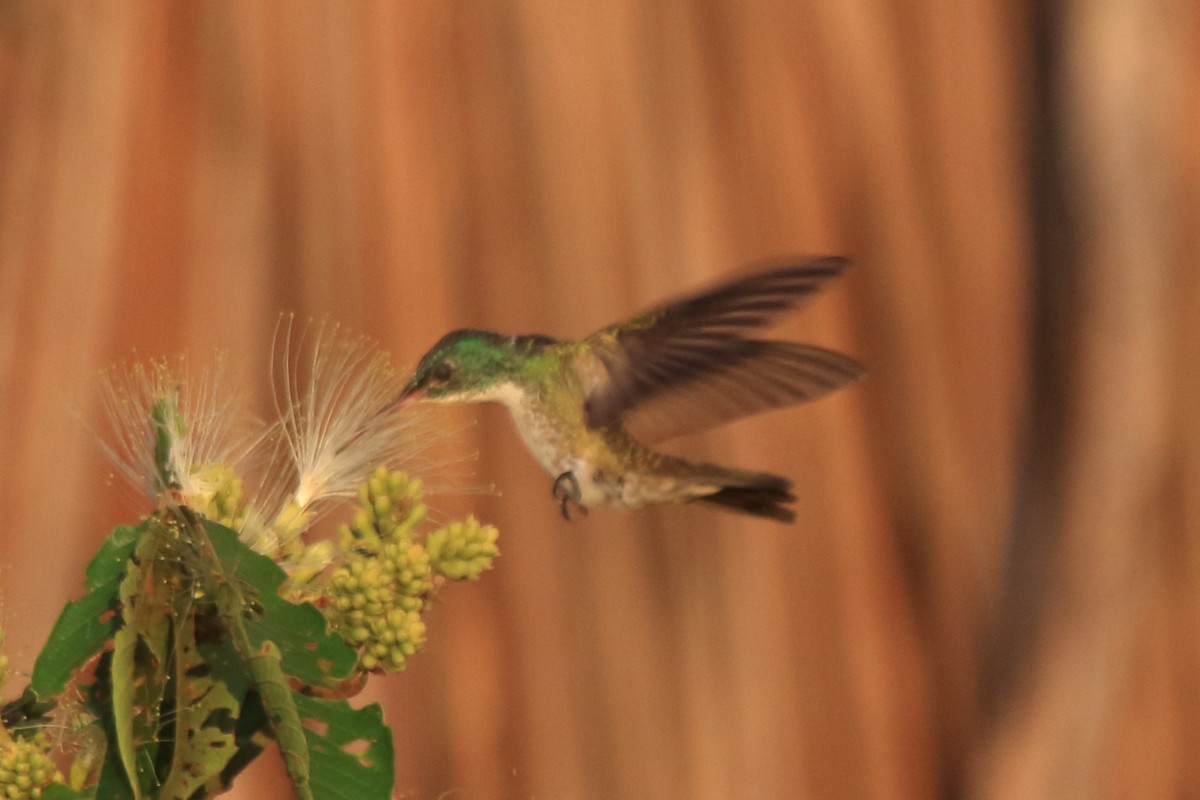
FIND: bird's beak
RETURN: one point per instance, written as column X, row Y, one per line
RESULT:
column 412, row 393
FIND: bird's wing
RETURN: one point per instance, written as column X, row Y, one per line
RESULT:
column 768, row 375
column 688, row 341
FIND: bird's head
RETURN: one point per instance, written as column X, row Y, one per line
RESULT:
column 465, row 366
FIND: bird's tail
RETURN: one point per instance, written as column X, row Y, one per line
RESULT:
column 756, row 493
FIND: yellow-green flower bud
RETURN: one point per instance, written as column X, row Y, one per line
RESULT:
column 463, row 549
column 83, row 766
column 382, row 506
column 310, row 562
column 291, row 521
column 409, row 566
column 259, row 537
column 25, row 767
column 408, row 633
column 390, row 504
column 219, row 495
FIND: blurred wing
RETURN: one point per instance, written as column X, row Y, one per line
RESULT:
column 675, row 344
column 769, row 375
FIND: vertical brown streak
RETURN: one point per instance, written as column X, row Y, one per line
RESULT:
column 1037, row 514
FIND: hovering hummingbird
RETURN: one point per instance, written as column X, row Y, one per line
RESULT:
column 588, row 409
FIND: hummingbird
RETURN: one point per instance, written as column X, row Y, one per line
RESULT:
column 589, row 410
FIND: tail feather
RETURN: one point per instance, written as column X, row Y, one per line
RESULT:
column 758, row 494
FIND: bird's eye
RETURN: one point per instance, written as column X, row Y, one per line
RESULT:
column 442, row 372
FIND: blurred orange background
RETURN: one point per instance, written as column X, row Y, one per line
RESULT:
column 992, row 589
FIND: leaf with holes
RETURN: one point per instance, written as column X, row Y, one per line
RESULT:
column 205, row 716
column 350, row 749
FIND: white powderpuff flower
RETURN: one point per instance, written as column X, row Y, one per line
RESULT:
column 170, row 426
column 178, row 437
column 337, row 419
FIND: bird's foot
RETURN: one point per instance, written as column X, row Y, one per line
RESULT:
column 566, row 490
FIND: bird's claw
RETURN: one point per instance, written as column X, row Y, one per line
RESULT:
column 566, row 490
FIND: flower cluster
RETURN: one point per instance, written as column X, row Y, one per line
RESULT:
column 178, row 435
column 338, row 433
column 376, row 596
column 25, row 766
column 463, row 549
column 197, row 649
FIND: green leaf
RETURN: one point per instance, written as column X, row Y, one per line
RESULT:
column 60, row 791
column 226, row 665
column 123, row 704
column 112, row 784
column 279, row 703
column 110, row 560
column 278, row 640
column 206, row 713
column 85, row 625
column 351, row 757
column 309, row 651
column 81, row 631
column 139, row 666
column 251, row 736
column 240, row 561
column 184, row 707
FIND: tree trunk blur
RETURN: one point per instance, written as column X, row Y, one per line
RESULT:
column 993, row 588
